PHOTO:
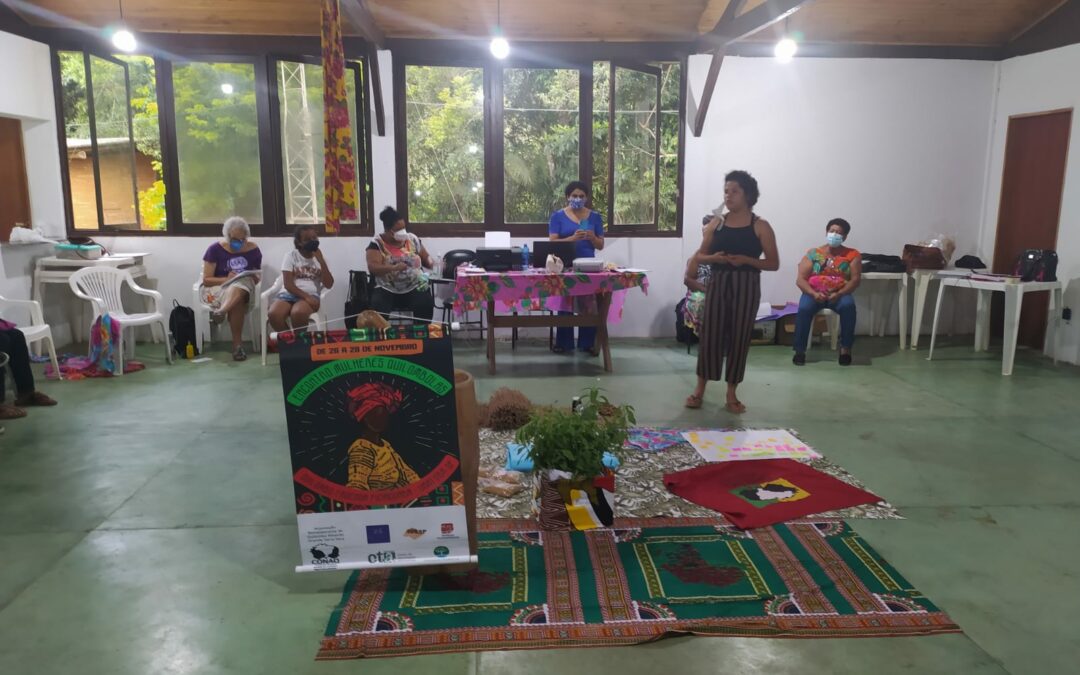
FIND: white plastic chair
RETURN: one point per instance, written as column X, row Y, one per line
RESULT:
column 264, row 310
column 38, row 330
column 832, row 320
column 203, row 327
column 101, row 287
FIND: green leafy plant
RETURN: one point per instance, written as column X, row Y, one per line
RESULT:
column 576, row 442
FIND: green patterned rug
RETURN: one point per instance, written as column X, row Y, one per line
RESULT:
column 640, row 581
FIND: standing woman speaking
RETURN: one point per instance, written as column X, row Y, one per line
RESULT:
column 733, row 246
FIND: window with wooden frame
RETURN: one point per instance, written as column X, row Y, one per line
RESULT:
column 111, row 143
column 201, row 138
column 491, row 145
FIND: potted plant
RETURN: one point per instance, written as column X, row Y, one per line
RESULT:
column 573, row 488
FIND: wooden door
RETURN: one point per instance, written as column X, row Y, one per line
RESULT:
column 1032, row 182
column 14, row 192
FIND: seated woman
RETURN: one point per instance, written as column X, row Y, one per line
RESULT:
column 578, row 223
column 396, row 259
column 224, row 265
column 13, row 343
column 305, row 275
column 828, row 275
column 696, row 278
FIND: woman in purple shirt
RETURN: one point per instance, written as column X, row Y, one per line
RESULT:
column 224, row 265
column 580, row 224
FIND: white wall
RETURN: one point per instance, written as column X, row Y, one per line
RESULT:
column 26, row 93
column 1037, row 83
column 898, row 147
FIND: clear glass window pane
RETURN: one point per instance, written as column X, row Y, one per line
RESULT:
column 217, row 142
column 635, row 146
column 540, row 151
column 300, row 98
column 444, row 116
column 669, row 145
column 601, row 85
column 116, row 150
column 77, row 136
column 144, row 111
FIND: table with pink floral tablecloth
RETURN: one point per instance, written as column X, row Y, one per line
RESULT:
column 538, row 289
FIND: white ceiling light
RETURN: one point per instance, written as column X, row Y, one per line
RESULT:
column 226, row 88
column 500, row 48
column 122, row 38
column 785, row 50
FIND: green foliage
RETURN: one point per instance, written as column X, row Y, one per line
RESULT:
column 576, row 442
column 217, row 141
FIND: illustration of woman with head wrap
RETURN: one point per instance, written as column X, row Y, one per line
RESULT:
column 373, row 463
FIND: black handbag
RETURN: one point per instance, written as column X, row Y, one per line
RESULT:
column 359, row 297
column 1036, row 264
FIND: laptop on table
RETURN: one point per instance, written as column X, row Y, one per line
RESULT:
column 564, row 250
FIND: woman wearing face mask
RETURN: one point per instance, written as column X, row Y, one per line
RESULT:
column 396, row 259
column 305, row 275
column 580, row 224
column 828, row 275
column 734, row 244
column 223, row 262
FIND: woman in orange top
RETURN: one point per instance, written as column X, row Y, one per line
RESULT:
column 828, row 275
column 373, row 462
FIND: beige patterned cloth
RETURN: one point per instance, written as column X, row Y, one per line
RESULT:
column 639, row 485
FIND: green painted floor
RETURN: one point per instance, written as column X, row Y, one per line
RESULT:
column 146, row 523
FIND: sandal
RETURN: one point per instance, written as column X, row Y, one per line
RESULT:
column 34, row 398
column 239, row 354
column 693, row 401
column 735, row 407
column 10, row 412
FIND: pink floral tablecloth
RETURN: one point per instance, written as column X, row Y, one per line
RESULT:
column 538, row 289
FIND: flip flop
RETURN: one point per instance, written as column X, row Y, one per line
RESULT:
column 735, row 407
column 693, row 401
column 10, row 412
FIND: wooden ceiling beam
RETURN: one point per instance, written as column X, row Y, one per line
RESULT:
column 729, row 15
column 745, row 25
column 363, row 21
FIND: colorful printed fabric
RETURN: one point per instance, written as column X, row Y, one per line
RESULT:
column 339, row 165
column 764, row 492
column 830, row 271
column 653, row 440
column 539, row 289
column 641, row 581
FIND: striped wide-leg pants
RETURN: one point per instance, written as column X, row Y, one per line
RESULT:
column 731, row 304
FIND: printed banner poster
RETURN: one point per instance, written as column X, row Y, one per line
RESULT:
column 374, row 445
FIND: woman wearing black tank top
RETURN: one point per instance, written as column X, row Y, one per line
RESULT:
column 733, row 246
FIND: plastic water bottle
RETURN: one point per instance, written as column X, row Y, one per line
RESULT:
column 525, row 257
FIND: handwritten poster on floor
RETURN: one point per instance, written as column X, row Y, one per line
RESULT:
column 724, row 445
column 373, row 438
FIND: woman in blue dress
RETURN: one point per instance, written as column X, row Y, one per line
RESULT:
column 580, row 224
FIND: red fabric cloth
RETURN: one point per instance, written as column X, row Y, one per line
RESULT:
column 761, row 492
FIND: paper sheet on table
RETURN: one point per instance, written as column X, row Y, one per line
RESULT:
column 721, row 445
column 497, row 240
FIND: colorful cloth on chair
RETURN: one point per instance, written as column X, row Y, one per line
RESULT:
column 762, row 492
column 104, row 338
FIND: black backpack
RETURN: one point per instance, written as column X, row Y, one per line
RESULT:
column 359, row 296
column 1036, row 264
column 182, row 327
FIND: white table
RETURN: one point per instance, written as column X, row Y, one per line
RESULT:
column 55, row 270
column 879, row 320
column 1014, row 299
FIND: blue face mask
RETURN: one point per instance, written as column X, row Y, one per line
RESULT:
column 236, row 245
column 834, row 239
column 577, row 202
